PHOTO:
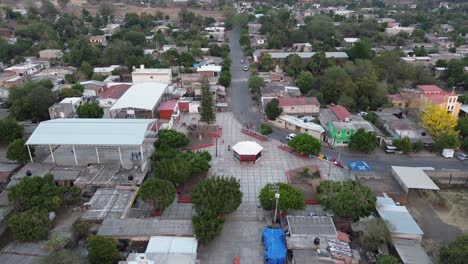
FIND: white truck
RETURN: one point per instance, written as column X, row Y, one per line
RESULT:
column 448, row 153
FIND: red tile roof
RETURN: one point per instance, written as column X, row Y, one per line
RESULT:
column 167, row 106
column 430, row 88
column 437, row 98
column 115, row 91
column 340, row 112
column 298, row 101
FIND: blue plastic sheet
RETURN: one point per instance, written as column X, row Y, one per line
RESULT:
column 275, row 247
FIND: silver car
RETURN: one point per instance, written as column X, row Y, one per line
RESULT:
column 462, row 156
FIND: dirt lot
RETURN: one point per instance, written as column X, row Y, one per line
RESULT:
column 456, row 212
column 307, row 184
column 120, row 10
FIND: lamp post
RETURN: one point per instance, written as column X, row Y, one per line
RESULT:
column 277, row 196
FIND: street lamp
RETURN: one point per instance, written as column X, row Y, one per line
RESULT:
column 277, row 196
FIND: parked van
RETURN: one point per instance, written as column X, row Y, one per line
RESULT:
column 389, row 149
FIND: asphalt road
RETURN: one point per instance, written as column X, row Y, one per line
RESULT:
column 247, row 112
column 240, row 101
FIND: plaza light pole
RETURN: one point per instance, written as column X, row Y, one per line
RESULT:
column 277, row 196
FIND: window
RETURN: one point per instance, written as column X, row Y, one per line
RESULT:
column 348, row 133
column 338, row 133
column 306, row 130
column 151, row 77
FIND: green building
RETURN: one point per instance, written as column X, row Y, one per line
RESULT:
column 339, row 133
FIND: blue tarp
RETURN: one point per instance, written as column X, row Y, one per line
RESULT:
column 196, row 65
column 358, row 165
column 275, row 248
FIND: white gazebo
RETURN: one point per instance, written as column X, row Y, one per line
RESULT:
column 247, row 151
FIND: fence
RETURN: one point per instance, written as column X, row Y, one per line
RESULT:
column 449, row 177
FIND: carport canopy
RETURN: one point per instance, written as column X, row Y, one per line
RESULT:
column 414, row 178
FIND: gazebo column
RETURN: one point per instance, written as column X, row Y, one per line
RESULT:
column 74, row 155
column 30, row 156
column 97, row 155
column 52, row 154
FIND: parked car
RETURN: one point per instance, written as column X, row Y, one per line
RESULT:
column 246, row 68
column 389, row 149
column 462, row 156
column 242, row 61
column 290, row 136
column 448, row 153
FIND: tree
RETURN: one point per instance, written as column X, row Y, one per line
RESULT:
column 102, row 250
column 55, row 244
column 334, row 82
column 294, row 64
column 86, row 69
column 199, row 161
column 177, row 170
column 418, row 146
column 265, row 129
column 225, row 78
column 305, row 81
column 455, row 252
column 10, row 130
column 35, row 192
column 446, row 142
column 438, row 122
column 403, row 144
column 363, row 141
column 63, row 3
column 216, row 196
column 348, row 198
column 387, row 259
column 90, row 110
column 272, row 109
column 361, row 50
column 207, row 227
column 291, row 198
column 30, row 225
column 171, row 138
column 207, row 111
column 306, row 144
column 80, row 229
column 462, row 126
column 31, row 101
column 160, row 193
column 64, row 256
column 69, row 92
column 78, row 87
column 256, row 84
column 18, row 151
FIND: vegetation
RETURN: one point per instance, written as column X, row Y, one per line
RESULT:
column 304, row 81
column 176, row 170
column 18, row 151
column 80, row 229
column 55, row 243
column 348, row 198
column 159, row 193
column 30, row 225
column 455, row 252
column 387, row 259
column 305, row 144
column 102, row 250
column 403, row 144
column 363, row 141
column 225, row 78
column 272, row 109
column 438, row 122
column 256, row 84
column 375, row 234
column 31, row 101
column 207, row 227
column 63, row 256
column 69, row 92
column 291, row 198
column 10, row 130
column 207, row 108
column 90, row 110
column 265, row 129
column 171, row 138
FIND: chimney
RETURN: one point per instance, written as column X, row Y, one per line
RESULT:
column 142, row 66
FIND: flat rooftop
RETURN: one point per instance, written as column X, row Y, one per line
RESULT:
column 109, row 203
column 144, row 229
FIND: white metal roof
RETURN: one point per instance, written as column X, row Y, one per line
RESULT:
column 214, row 68
column 397, row 218
column 247, row 148
column 414, row 177
column 172, row 244
column 300, row 123
column 411, row 251
column 95, row 132
column 151, row 71
column 141, row 96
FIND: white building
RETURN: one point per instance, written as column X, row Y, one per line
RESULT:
column 74, row 101
column 143, row 75
column 25, row 68
column 105, row 71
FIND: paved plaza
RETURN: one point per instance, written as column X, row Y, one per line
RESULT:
column 270, row 168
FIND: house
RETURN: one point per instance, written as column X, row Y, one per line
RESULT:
column 299, row 126
column 110, row 28
column 209, row 70
column 106, row 71
column 113, row 93
column 61, row 111
column 393, row 30
column 424, row 61
column 462, row 50
column 6, row 33
column 447, row 28
column 50, row 54
column 98, row 40
column 334, row 113
column 167, row 47
column 302, row 47
column 349, row 42
column 145, row 75
column 339, row 133
column 8, row 80
column 74, row 101
column 300, row 105
column 92, row 88
column 26, row 68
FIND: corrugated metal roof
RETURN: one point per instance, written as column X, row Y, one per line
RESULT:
column 411, row 251
column 141, row 96
column 397, row 218
column 415, row 177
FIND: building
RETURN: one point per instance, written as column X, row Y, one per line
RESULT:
column 8, row 80
column 349, row 42
column 109, row 204
column 25, row 68
column 55, row 74
column 247, row 151
column 398, row 220
column 50, row 54
column 339, row 133
column 74, row 101
column 334, row 113
column 393, row 30
column 92, row 88
column 112, row 93
column 299, row 126
column 302, row 47
column 98, row 40
column 106, row 71
column 424, row 61
column 432, row 94
column 414, row 178
column 281, row 55
column 411, row 251
column 166, row 110
column 148, row 75
column 61, row 111
column 462, row 50
column 209, row 70
column 300, row 105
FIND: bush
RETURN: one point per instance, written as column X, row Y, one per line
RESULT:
column 18, row 151
column 387, row 259
column 171, row 138
column 31, row 225
column 363, row 141
column 102, row 250
column 291, row 198
column 403, row 144
column 90, row 110
column 375, row 234
column 265, row 129
column 56, row 243
column 305, row 144
column 418, row 146
column 10, row 130
column 160, row 193
column 80, row 229
column 207, row 227
column 455, row 252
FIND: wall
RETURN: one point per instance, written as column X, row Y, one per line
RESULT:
column 301, row 109
column 450, row 177
column 141, row 78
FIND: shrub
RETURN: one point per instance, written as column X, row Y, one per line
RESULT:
column 80, row 229
column 102, row 250
column 30, row 225
column 265, row 129
column 306, row 144
column 291, row 198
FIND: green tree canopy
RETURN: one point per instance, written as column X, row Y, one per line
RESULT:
column 265, row 129
column 171, row 138
column 90, row 110
column 225, row 78
column 403, row 144
column 199, row 161
column 305, row 81
column 363, row 141
column 348, row 198
column 69, row 92
column 387, row 259
column 306, row 144
column 361, row 50
column 102, row 250
column 256, row 84
column 272, row 109
column 207, row 110
column 294, row 64
column 30, row 225
column 10, row 130
column 216, row 196
column 207, row 227
column 455, row 252
column 462, row 126
column 18, row 151
column 291, row 198
column 159, row 193
column 177, row 170
column 31, row 101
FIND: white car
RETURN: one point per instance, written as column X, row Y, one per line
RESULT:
column 246, row 68
column 462, row 156
column 290, row 136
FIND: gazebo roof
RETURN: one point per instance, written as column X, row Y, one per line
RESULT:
column 247, row 148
